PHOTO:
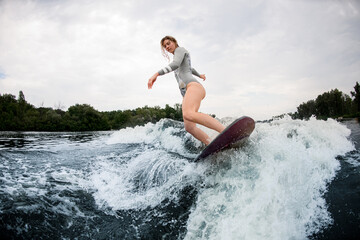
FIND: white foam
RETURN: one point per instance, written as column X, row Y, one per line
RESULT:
column 166, row 134
column 151, row 173
column 145, row 181
column 274, row 187
column 32, row 180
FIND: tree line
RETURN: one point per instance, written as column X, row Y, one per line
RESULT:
column 19, row 115
column 332, row 104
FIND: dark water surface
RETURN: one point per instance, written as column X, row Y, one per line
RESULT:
column 292, row 180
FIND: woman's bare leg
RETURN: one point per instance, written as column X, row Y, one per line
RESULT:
column 195, row 92
column 199, row 134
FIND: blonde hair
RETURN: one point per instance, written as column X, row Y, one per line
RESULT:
column 163, row 51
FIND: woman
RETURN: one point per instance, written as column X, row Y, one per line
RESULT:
column 191, row 90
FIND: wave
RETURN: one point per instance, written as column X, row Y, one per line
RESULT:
column 272, row 187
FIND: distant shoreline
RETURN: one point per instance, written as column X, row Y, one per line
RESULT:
column 19, row 115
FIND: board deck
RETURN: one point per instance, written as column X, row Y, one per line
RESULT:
column 240, row 129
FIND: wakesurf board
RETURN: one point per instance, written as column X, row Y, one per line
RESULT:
column 237, row 131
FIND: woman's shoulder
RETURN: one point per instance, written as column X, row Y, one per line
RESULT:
column 181, row 49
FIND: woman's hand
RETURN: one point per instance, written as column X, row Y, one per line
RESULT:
column 152, row 80
column 202, row 76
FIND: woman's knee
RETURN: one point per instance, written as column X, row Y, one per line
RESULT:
column 188, row 115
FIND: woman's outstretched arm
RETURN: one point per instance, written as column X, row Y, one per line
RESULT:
column 152, row 80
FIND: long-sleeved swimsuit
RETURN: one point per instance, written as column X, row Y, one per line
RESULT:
column 181, row 65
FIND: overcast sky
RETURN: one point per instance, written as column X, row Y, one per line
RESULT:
column 261, row 57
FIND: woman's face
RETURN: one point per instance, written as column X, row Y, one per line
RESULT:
column 169, row 46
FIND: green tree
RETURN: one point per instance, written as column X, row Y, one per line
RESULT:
column 329, row 104
column 356, row 95
column 306, row 110
column 84, row 118
column 9, row 113
column 18, row 115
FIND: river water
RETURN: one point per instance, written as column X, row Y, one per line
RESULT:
column 292, row 179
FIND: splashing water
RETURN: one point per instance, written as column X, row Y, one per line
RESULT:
column 141, row 183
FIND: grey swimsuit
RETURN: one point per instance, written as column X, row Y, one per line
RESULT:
column 182, row 67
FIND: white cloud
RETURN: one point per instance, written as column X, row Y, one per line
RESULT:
column 261, row 58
